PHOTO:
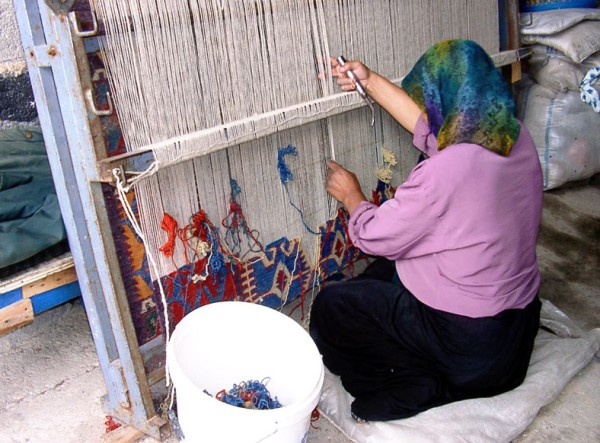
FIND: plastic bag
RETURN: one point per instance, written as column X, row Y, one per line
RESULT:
column 554, row 70
column 564, row 129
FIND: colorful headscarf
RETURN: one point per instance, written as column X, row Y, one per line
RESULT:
column 464, row 96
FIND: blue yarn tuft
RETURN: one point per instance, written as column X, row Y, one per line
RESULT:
column 216, row 260
column 252, row 394
column 285, row 174
column 235, row 188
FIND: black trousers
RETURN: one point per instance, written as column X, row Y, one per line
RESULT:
column 398, row 357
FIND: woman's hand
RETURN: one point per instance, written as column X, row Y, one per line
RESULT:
column 344, row 186
column 389, row 95
column 346, row 83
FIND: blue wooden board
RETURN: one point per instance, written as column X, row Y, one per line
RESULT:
column 10, row 297
column 45, row 300
column 54, row 297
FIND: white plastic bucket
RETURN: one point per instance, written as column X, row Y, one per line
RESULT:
column 225, row 343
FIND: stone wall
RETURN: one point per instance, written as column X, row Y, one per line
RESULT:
column 11, row 50
column 16, row 98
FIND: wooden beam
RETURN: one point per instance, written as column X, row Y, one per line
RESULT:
column 49, row 282
column 15, row 315
column 37, row 272
column 123, row 434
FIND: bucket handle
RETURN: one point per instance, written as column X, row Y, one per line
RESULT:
column 175, row 425
column 270, row 434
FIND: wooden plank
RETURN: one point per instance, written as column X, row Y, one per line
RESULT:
column 123, row 434
column 515, row 72
column 16, row 315
column 153, row 354
column 50, row 282
column 54, row 297
column 8, row 298
column 37, row 272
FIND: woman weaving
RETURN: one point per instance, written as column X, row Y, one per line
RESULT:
column 450, row 310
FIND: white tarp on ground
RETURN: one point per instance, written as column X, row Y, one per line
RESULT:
column 556, row 359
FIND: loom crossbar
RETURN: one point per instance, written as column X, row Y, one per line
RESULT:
column 138, row 161
column 290, row 117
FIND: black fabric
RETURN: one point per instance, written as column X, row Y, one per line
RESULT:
column 399, row 357
column 47, row 254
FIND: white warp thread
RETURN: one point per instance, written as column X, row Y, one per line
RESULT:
column 191, row 77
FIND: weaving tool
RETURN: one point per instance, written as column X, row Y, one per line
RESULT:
column 359, row 87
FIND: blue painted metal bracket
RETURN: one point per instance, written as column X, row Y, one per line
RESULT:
column 60, row 78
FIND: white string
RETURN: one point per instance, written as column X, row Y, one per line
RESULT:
column 122, row 195
column 315, row 283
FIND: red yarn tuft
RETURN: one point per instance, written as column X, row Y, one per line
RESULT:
column 110, row 424
column 170, row 225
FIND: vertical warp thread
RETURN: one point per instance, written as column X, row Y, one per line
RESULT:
column 174, row 68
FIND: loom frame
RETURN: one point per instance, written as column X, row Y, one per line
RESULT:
column 56, row 57
column 60, row 79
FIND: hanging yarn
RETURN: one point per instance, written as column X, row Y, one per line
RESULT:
column 251, row 394
column 121, row 192
column 384, row 190
column 170, row 225
column 210, row 273
column 284, row 171
column 204, row 230
column 286, row 176
column 200, row 239
column 235, row 225
column 389, row 159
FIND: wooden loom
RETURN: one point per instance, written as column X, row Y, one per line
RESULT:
column 60, row 38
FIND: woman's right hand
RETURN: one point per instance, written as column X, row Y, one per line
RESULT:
column 387, row 94
column 346, row 83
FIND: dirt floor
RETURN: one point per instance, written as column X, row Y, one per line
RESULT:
column 52, row 384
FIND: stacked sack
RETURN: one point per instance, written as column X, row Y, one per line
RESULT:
column 557, row 99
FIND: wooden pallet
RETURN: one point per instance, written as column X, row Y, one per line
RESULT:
column 36, row 290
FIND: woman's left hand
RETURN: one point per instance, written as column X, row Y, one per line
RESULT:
column 344, row 186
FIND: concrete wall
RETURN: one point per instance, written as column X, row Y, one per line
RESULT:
column 11, row 50
column 16, row 98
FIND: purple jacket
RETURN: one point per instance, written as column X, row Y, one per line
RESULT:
column 463, row 227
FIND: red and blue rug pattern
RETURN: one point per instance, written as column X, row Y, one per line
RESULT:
column 129, row 249
column 278, row 276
